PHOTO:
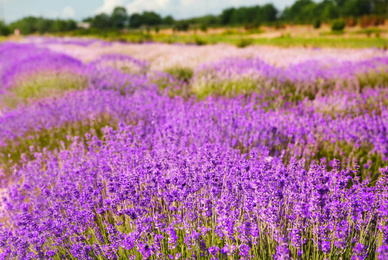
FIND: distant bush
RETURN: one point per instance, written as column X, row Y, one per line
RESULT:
column 184, row 74
column 337, row 25
column 230, row 32
column 203, row 27
column 182, row 26
column 244, row 42
column 285, row 35
column 317, row 24
column 199, row 41
column 255, row 31
column 4, row 29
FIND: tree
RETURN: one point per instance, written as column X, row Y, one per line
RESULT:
column 226, row 16
column 340, row 3
column 44, row 25
column 135, row 20
column 337, row 25
column 4, row 29
column 182, row 26
column 119, row 17
column 240, row 16
column 146, row 18
column 293, row 13
column 59, row 26
column 357, row 8
column 317, row 24
column 168, row 20
column 151, row 18
column 308, row 13
column 269, row 13
column 380, row 7
column 101, row 21
column 329, row 11
column 26, row 25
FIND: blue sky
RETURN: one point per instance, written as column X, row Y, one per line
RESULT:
column 78, row 9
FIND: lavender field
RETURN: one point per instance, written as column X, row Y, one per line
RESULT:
column 112, row 150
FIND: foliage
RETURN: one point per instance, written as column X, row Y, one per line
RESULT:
column 244, row 15
column 29, row 25
column 41, row 85
column 199, row 41
column 182, row 26
column 178, row 177
column 337, row 25
column 209, row 20
column 244, row 42
column 101, row 21
column 317, row 24
column 145, row 19
column 119, row 17
column 4, row 29
column 306, row 11
column 168, row 20
column 183, row 74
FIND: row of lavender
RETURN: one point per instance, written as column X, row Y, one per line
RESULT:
column 302, row 131
column 182, row 178
column 306, row 76
column 154, row 191
column 350, row 125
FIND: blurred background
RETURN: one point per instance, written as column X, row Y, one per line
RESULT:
column 307, row 23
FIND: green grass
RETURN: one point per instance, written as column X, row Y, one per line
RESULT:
column 233, row 37
column 369, row 32
column 41, row 86
column 325, row 42
column 181, row 73
column 226, row 88
column 334, row 42
column 287, row 91
column 52, row 139
column 373, row 79
column 332, row 33
column 273, row 94
column 244, row 42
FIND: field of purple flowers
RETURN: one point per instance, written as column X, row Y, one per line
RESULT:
column 234, row 159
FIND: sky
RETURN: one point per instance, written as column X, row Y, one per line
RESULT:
column 11, row 10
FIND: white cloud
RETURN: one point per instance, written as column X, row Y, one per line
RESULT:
column 135, row 6
column 68, row 12
column 149, row 5
column 109, row 5
column 187, row 3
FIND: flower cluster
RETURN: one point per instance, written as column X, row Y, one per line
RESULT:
column 156, row 190
column 307, row 79
column 132, row 163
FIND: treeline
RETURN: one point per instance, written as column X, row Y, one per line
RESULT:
column 365, row 12
column 30, row 24
column 120, row 19
column 352, row 12
column 308, row 11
